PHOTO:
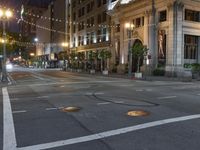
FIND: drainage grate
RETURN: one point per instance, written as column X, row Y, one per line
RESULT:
column 70, row 109
column 137, row 113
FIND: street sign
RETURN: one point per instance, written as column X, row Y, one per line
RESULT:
column 1, row 56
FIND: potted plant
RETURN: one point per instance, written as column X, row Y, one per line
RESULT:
column 138, row 51
column 195, row 70
column 104, row 55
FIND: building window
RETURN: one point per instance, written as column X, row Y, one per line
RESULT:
column 74, row 16
column 74, row 28
column 99, row 18
column 73, row 4
column 92, row 38
column 83, row 11
column 104, row 34
column 163, row 16
column 98, row 3
column 99, row 35
column 88, row 39
column 88, row 8
column 138, row 22
column 191, row 47
column 88, row 23
column 104, row 2
column 79, row 13
column 191, row 15
column 104, row 17
column 92, row 21
column 118, row 28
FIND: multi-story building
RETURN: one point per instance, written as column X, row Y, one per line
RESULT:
column 89, row 27
column 53, row 31
column 170, row 30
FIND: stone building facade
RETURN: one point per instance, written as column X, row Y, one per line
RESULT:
column 169, row 28
column 89, row 27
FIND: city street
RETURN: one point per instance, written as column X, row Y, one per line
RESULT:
column 38, row 117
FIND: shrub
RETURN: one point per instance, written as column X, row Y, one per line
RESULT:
column 159, row 72
column 187, row 65
column 195, row 67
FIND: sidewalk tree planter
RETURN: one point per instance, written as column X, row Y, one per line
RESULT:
column 92, row 57
column 80, row 61
column 139, row 51
column 64, row 56
column 73, row 63
column 104, row 55
column 195, row 70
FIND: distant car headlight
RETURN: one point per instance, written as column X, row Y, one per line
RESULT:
column 9, row 66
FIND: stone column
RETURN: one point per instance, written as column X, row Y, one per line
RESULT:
column 170, row 40
column 198, row 53
column 175, row 51
column 152, row 36
column 146, row 28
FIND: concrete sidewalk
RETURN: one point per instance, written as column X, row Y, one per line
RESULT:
column 126, row 76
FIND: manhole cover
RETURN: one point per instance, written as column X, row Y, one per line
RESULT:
column 70, row 109
column 138, row 113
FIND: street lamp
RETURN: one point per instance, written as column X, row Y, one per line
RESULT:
column 36, row 39
column 129, row 27
column 5, row 15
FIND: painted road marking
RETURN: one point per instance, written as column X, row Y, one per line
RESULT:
column 99, row 93
column 105, row 103
column 110, row 133
column 43, row 97
column 139, row 90
column 19, row 111
column 37, row 77
column 119, row 102
column 9, row 139
column 51, row 108
column 167, row 97
column 198, row 94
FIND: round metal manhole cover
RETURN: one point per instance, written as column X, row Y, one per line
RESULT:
column 70, row 109
column 137, row 113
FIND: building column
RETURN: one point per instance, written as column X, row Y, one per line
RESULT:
column 152, row 37
column 175, row 51
column 198, row 53
column 146, row 28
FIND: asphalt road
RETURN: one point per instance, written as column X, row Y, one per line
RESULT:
column 32, row 114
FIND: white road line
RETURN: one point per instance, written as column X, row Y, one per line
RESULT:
column 43, row 97
column 98, row 93
column 110, row 133
column 51, row 108
column 20, row 111
column 119, row 102
column 149, row 90
column 198, row 94
column 139, row 90
column 9, row 139
column 37, row 77
column 167, row 97
column 105, row 103
column 60, row 107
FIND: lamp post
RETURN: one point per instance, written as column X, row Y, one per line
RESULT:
column 4, row 16
column 129, row 27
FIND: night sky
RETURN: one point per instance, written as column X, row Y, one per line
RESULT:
column 16, row 4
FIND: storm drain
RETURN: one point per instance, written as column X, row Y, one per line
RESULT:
column 70, row 109
column 138, row 113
